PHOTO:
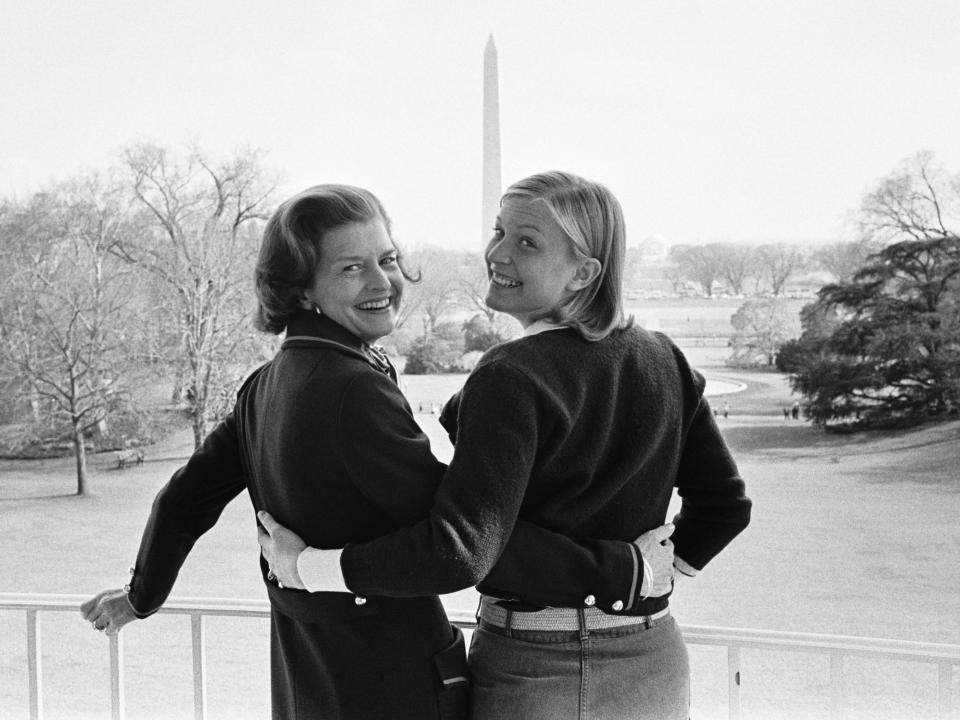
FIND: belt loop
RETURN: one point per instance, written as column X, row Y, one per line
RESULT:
column 648, row 621
column 582, row 619
column 508, row 623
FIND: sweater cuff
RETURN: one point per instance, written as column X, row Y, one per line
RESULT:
column 319, row 570
column 683, row 567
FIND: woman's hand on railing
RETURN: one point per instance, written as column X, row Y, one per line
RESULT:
column 108, row 611
column 656, row 550
column 280, row 548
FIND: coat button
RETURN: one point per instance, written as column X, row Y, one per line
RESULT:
column 618, row 605
column 589, row 601
column 360, row 600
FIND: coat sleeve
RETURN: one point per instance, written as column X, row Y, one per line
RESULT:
column 393, row 466
column 473, row 522
column 714, row 507
column 185, row 508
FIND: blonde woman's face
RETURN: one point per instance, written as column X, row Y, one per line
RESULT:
column 530, row 260
column 358, row 283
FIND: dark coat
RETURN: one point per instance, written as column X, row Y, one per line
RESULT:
column 325, row 441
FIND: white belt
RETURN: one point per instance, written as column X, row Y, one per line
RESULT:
column 562, row 619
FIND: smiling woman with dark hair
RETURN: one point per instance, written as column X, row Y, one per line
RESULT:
column 323, row 439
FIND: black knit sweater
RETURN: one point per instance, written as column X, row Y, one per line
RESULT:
column 584, row 438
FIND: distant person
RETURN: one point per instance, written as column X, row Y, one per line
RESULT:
column 586, row 424
column 323, row 438
column 786, row 413
column 726, row 409
column 795, row 411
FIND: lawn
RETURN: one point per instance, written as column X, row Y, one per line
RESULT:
column 853, row 535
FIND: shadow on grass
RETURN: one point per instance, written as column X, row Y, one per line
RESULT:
column 935, row 445
column 789, row 436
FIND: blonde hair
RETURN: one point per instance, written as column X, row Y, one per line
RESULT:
column 591, row 217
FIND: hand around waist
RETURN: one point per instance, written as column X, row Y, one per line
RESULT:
column 280, row 547
column 656, row 551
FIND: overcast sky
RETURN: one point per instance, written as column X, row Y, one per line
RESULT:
column 711, row 120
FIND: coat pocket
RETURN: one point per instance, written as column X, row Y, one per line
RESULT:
column 453, row 696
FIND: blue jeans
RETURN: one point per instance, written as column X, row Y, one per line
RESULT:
column 611, row 674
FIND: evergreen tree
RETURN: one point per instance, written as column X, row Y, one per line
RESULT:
column 892, row 351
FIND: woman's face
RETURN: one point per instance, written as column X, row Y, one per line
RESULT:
column 358, row 283
column 530, row 262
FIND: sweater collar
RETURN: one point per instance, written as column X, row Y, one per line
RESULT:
column 539, row 326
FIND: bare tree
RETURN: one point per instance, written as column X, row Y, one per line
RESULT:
column 65, row 315
column 736, row 263
column 843, row 259
column 777, row 263
column 699, row 264
column 919, row 201
column 472, row 284
column 437, row 292
column 674, row 275
column 201, row 247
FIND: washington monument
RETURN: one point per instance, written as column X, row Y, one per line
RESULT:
column 491, row 141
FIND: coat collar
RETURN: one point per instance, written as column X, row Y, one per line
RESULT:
column 307, row 329
column 307, row 325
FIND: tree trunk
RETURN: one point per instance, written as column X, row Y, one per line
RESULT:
column 80, row 450
column 199, row 430
column 34, row 404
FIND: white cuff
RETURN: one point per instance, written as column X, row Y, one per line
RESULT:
column 684, row 568
column 320, row 570
column 647, row 582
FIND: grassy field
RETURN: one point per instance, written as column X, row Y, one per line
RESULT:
column 853, row 535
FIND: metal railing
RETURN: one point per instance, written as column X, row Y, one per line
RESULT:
column 836, row 647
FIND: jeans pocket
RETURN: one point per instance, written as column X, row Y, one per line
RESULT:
column 454, row 681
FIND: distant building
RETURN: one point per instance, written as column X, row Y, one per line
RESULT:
column 654, row 248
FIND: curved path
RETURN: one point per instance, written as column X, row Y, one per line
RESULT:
column 722, row 386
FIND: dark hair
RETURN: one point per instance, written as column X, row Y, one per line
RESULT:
column 290, row 249
column 591, row 217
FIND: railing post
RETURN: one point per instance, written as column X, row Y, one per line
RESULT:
column 733, row 682
column 837, row 705
column 945, row 688
column 199, row 667
column 34, row 665
column 118, row 708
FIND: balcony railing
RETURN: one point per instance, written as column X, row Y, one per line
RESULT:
column 838, row 648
